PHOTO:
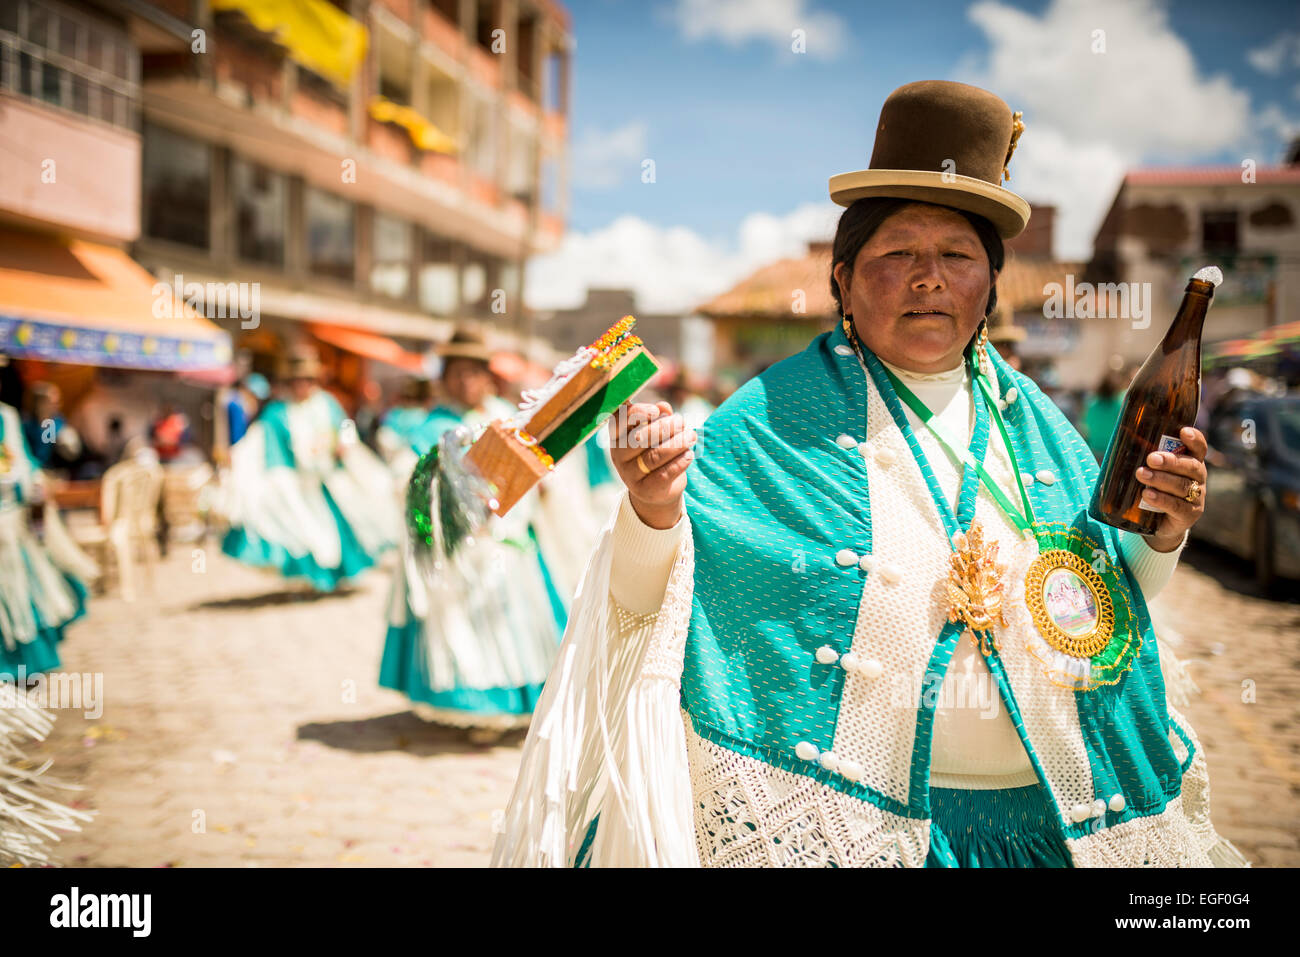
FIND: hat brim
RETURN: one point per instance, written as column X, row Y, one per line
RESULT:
column 301, row 370
column 1008, row 213
column 464, row 351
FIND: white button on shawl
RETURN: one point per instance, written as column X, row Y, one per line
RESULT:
column 885, row 458
column 846, row 441
column 1046, row 476
column 1080, row 813
column 851, row 770
column 844, row 350
column 871, row 669
column 806, row 751
column 846, row 557
column 1012, row 395
column 865, row 562
column 826, row 655
column 892, row 574
column 1117, row 803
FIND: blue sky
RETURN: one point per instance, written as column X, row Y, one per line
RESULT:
column 744, row 132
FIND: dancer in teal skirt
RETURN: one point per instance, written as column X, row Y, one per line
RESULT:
column 470, row 643
column 39, row 599
column 303, row 496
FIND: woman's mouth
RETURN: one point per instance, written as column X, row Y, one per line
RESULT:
column 923, row 313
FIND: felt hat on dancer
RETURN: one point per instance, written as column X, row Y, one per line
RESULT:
column 467, row 342
column 944, row 143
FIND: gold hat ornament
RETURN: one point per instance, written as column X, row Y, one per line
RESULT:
column 945, row 143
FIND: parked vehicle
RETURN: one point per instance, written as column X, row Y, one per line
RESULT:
column 1253, row 508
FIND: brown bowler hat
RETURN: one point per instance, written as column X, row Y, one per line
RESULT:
column 945, row 143
column 466, row 342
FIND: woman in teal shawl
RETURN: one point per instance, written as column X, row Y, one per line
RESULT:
column 862, row 617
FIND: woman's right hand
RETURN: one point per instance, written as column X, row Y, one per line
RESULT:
column 651, row 434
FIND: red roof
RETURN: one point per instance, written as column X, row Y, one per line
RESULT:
column 1209, row 175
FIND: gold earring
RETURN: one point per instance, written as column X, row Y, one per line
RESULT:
column 981, row 350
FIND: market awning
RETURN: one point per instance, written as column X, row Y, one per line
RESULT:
column 76, row 301
column 371, row 346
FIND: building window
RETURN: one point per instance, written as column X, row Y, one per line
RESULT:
column 481, row 154
column 510, row 276
column 550, row 184
column 524, row 51
column 438, row 290
column 176, row 181
column 391, row 273
column 331, row 235
column 473, row 287
column 1219, row 230
column 261, row 216
column 521, row 173
column 68, row 60
column 553, row 82
column 484, row 23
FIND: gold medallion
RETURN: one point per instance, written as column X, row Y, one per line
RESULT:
column 1070, row 604
column 975, row 588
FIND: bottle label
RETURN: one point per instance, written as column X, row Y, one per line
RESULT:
column 1167, row 443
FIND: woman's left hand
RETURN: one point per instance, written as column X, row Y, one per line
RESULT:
column 1169, row 479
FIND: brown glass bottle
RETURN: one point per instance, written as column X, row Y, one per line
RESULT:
column 1163, row 399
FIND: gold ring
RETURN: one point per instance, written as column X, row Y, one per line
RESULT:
column 1193, row 492
column 640, row 460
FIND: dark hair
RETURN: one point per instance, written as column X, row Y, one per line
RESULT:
column 860, row 221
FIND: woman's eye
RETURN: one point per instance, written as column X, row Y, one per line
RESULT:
column 957, row 255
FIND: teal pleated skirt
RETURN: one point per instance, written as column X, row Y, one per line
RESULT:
column 1013, row 827
column 239, row 544
column 41, row 653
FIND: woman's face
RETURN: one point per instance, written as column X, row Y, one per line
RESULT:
column 918, row 288
column 468, row 381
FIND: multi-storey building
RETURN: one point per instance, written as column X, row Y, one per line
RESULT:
column 1166, row 223
column 376, row 167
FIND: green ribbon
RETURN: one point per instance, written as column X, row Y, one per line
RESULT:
column 1022, row 520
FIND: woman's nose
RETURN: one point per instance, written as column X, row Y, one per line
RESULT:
column 927, row 274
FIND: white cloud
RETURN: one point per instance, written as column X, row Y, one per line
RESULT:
column 670, row 268
column 1273, row 119
column 1080, row 180
column 736, row 22
column 1144, row 94
column 606, row 158
column 1273, row 57
column 1089, row 116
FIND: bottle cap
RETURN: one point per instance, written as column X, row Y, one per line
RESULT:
column 1211, row 274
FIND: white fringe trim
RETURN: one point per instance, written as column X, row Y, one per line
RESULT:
column 30, row 815
column 607, row 738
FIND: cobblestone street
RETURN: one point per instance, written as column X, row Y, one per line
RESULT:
column 242, row 725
